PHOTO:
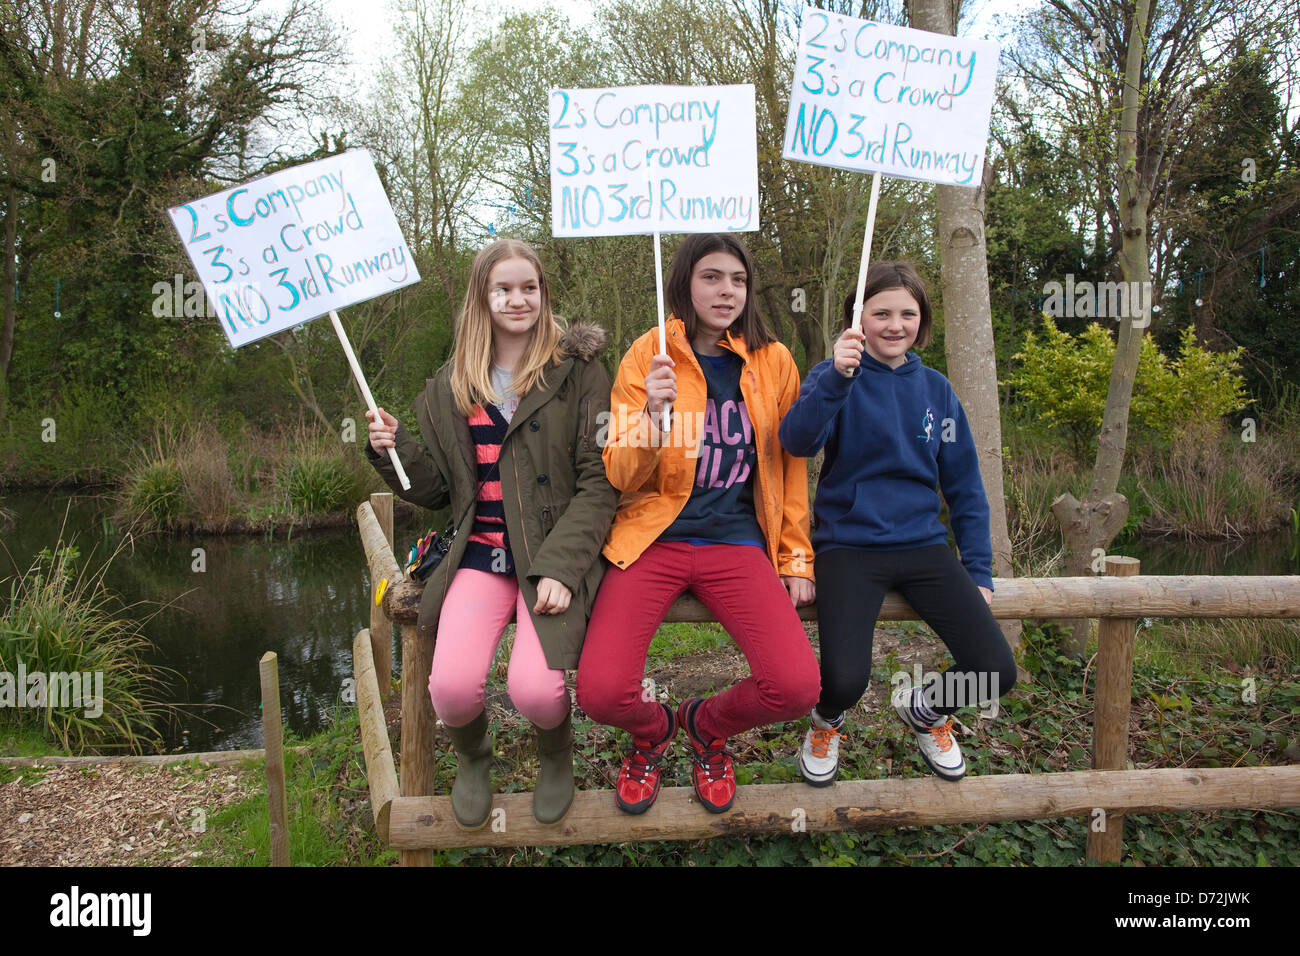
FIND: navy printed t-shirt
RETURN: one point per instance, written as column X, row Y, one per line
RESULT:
column 720, row 509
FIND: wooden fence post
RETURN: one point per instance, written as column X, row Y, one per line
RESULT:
column 1116, row 637
column 277, row 800
column 381, row 628
column 416, row 773
column 381, row 776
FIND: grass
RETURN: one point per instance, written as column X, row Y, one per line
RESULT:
column 1198, row 490
column 329, row 808
column 22, row 740
column 60, row 618
column 674, row 641
column 198, row 478
column 315, row 484
column 1248, row 643
column 155, row 495
column 1224, row 489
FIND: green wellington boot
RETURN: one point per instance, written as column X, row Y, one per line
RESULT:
column 554, row 791
column 471, row 794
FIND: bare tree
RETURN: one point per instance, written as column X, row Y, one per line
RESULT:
column 1118, row 78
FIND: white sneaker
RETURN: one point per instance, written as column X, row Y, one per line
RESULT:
column 938, row 748
column 819, row 760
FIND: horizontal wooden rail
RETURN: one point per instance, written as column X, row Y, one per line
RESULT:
column 1151, row 596
column 210, row 758
column 427, row 822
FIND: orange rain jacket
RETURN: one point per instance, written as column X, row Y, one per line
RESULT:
column 655, row 472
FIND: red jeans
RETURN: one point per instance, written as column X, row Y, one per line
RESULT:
column 739, row 585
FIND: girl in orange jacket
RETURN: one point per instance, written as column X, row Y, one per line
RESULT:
column 713, row 505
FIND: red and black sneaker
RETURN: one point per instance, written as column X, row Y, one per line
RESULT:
column 639, row 777
column 713, row 775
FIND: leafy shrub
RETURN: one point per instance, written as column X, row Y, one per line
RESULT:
column 316, row 484
column 63, row 621
column 1184, row 398
column 154, row 495
column 1063, row 380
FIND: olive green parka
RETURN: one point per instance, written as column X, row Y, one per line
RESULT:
column 558, row 502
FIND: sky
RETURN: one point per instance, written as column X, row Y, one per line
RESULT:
column 365, row 22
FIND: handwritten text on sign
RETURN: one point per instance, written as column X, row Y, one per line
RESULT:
column 874, row 97
column 291, row 246
column 629, row 160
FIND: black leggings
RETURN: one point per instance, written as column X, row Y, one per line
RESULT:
column 851, row 586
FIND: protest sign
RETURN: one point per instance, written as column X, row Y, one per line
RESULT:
column 295, row 245
column 635, row 160
column 873, row 97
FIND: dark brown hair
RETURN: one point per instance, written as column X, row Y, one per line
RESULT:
column 883, row 276
column 749, row 325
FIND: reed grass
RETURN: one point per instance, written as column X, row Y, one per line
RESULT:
column 1262, row 644
column 1193, row 489
column 318, row 474
column 60, row 618
column 1208, row 490
column 195, row 477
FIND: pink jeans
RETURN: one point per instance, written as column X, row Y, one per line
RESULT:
column 474, row 615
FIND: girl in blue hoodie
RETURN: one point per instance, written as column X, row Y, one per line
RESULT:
column 895, row 437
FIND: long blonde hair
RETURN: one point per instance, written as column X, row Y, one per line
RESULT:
column 471, row 373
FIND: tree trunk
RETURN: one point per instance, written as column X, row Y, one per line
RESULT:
column 10, row 288
column 1092, row 524
column 968, row 321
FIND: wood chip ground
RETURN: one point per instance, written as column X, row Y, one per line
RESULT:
column 112, row 814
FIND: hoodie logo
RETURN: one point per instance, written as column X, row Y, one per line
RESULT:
column 927, row 425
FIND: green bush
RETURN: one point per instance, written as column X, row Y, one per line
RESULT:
column 72, row 439
column 1063, row 380
column 60, row 620
column 1184, row 398
column 154, row 494
column 316, row 484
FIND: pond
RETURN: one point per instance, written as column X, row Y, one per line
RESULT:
column 303, row 596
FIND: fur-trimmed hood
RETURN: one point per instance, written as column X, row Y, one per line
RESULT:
column 584, row 340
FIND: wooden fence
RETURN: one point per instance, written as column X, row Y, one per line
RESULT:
column 414, row 822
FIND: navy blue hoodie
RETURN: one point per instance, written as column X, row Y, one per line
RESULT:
column 894, row 438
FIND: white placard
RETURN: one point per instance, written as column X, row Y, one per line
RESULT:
column 631, row 160
column 873, row 97
column 290, row 247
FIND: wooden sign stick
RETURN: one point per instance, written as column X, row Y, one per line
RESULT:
column 866, row 250
column 365, row 393
column 663, row 341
